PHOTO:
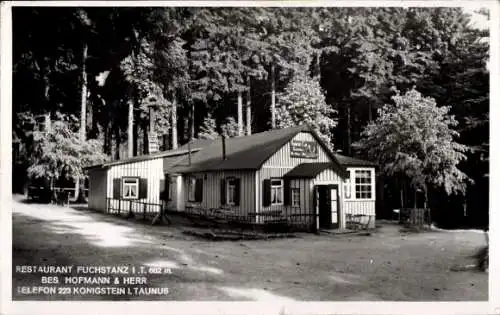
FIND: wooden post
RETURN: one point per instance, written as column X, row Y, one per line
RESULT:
column 119, row 206
column 130, row 213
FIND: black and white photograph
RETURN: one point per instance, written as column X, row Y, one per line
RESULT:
column 271, row 153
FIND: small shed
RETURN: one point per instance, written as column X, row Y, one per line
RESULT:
column 285, row 175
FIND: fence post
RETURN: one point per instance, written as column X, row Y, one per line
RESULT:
column 144, row 211
column 119, row 206
column 130, row 208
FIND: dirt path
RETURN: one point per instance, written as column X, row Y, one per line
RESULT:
column 384, row 266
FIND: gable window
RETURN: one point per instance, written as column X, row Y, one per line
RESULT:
column 295, row 197
column 130, row 188
column 363, row 184
column 276, row 191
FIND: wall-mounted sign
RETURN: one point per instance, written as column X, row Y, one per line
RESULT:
column 304, row 149
column 153, row 142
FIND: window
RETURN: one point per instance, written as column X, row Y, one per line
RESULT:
column 195, row 189
column 130, row 188
column 231, row 192
column 363, row 184
column 295, row 197
column 192, row 189
column 276, row 191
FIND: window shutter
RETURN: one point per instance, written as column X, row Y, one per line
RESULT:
column 266, row 192
column 223, row 191
column 162, row 190
column 117, row 187
column 286, row 192
column 198, row 190
column 237, row 186
column 143, row 188
column 167, row 189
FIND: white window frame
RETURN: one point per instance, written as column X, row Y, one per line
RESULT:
column 127, row 181
column 192, row 189
column 230, row 191
column 370, row 185
column 347, row 188
column 295, row 201
column 278, row 187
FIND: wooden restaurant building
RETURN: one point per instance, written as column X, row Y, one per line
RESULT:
column 285, row 175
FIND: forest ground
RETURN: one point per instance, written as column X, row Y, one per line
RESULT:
column 388, row 265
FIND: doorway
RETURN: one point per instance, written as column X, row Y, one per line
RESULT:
column 328, row 205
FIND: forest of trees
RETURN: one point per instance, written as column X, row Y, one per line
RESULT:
column 185, row 72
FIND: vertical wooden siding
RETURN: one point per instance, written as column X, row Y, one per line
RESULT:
column 97, row 189
column 281, row 162
column 282, row 157
column 152, row 170
column 360, row 206
column 212, row 193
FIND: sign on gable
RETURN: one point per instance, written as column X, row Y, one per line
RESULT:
column 304, row 149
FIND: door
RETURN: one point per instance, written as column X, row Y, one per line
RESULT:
column 323, row 206
column 334, row 206
column 328, row 206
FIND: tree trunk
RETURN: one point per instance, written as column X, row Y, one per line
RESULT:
column 249, row 109
column 191, row 122
column 318, row 66
column 130, row 128
column 425, row 196
column 370, row 111
column 83, row 109
column 414, row 198
column 273, row 98
column 348, row 112
column 117, row 142
column 83, row 104
column 107, row 139
column 401, row 191
column 135, row 131
column 174, row 122
column 145, row 149
column 240, row 113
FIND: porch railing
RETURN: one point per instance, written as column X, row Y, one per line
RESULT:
column 278, row 219
column 131, row 207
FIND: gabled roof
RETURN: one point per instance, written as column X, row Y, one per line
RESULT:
column 243, row 153
column 350, row 161
column 308, row 170
column 246, row 152
column 171, row 153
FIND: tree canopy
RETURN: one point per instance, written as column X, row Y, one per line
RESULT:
column 414, row 137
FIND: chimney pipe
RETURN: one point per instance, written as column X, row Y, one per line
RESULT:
column 223, row 147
